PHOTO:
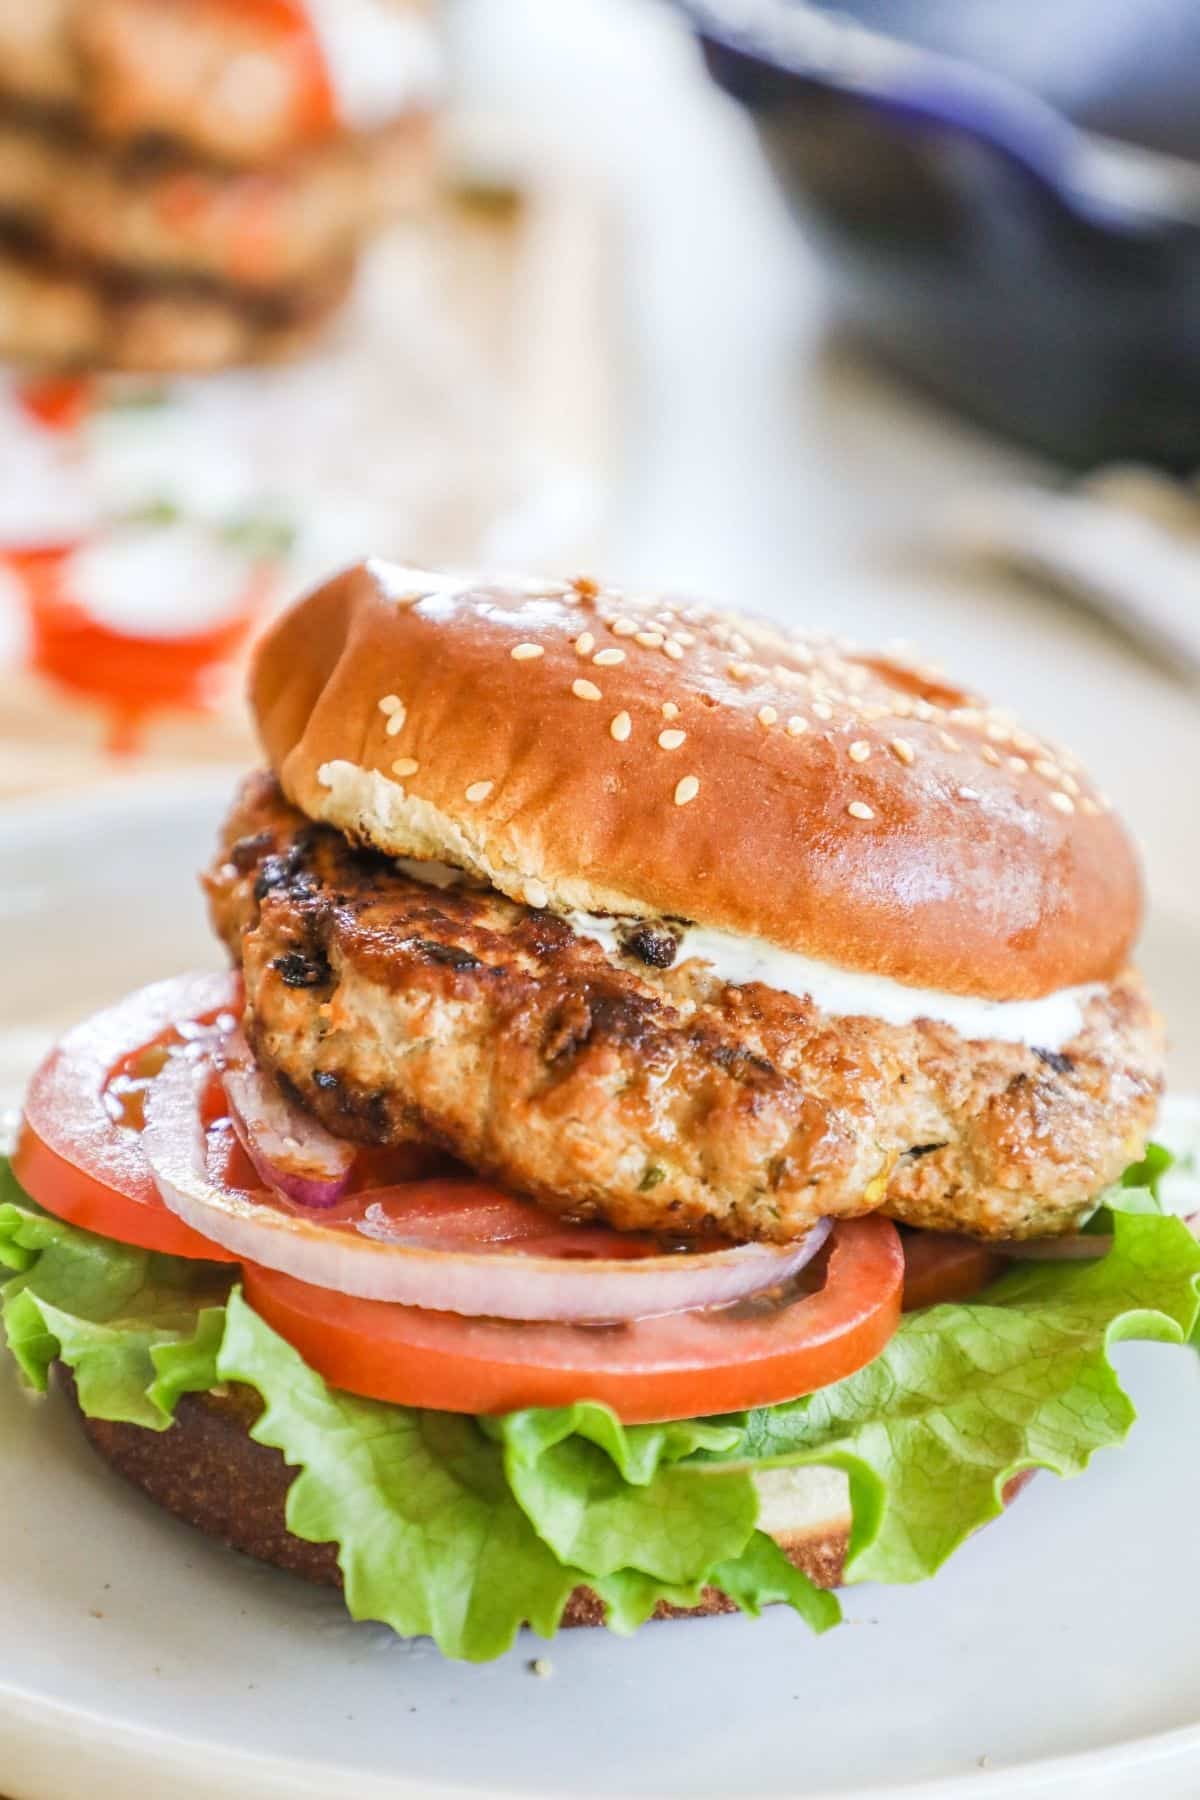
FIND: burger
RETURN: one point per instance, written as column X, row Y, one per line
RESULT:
column 189, row 186
column 672, row 1136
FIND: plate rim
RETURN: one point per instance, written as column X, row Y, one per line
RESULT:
column 92, row 1734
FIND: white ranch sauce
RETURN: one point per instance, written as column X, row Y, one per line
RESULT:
column 1048, row 1023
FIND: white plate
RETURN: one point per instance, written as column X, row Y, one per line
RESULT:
column 1055, row 1655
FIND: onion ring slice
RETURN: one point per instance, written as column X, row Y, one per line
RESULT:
column 505, row 1281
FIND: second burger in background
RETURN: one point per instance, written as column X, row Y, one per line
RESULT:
column 186, row 187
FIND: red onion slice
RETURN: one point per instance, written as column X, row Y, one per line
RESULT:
column 292, row 1152
column 504, row 1282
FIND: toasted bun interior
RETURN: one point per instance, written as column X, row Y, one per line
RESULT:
column 579, row 748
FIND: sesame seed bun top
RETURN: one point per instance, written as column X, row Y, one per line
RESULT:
column 586, row 749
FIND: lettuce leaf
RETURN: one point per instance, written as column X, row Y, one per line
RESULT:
column 135, row 1329
column 965, row 1397
column 465, row 1529
column 434, row 1537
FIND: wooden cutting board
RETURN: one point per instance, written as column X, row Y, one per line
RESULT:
column 521, row 286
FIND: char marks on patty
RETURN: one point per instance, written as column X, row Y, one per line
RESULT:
column 652, row 1097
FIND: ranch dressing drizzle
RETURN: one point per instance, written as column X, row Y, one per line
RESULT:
column 1048, row 1023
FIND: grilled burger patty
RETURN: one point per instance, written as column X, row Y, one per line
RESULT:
column 653, row 1098
column 55, row 311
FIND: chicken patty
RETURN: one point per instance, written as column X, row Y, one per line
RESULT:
column 652, row 1097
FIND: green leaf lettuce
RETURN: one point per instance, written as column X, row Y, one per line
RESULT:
column 465, row 1529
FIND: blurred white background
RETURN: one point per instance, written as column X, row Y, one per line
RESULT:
column 766, row 463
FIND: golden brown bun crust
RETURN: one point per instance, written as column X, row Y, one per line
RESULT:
column 210, row 1473
column 851, row 807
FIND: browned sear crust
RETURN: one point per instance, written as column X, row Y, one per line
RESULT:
column 654, row 1098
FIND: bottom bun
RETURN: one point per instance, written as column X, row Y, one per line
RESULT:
column 210, row 1473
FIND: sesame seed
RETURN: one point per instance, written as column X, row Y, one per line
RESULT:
column 391, row 703
column 542, row 1667
column 527, row 652
column 585, row 690
column 767, row 715
column 797, row 726
column 999, row 734
column 1018, row 765
column 395, row 723
column 859, row 750
column 671, row 740
column 536, row 893
column 608, row 659
column 686, row 638
column 1048, row 770
column 670, row 710
column 903, row 750
column 822, row 709
column 585, row 643
column 902, row 706
column 621, row 726
column 686, row 790
column 1061, row 802
column 1090, row 808
column 966, row 793
column 407, row 765
column 991, row 755
column 948, row 741
column 1068, row 784
column 922, row 709
column 739, row 645
column 624, row 627
column 739, row 670
column 858, row 809
column 1025, row 741
column 649, row 640
column 479, row 791
column 674, row 649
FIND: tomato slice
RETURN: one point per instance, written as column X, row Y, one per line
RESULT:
column 74, row 1154
column 682, row 1366
column 132, row 674
column 59, row 402
column 940, row 1266
column 79, row 1154
column 290, row 24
